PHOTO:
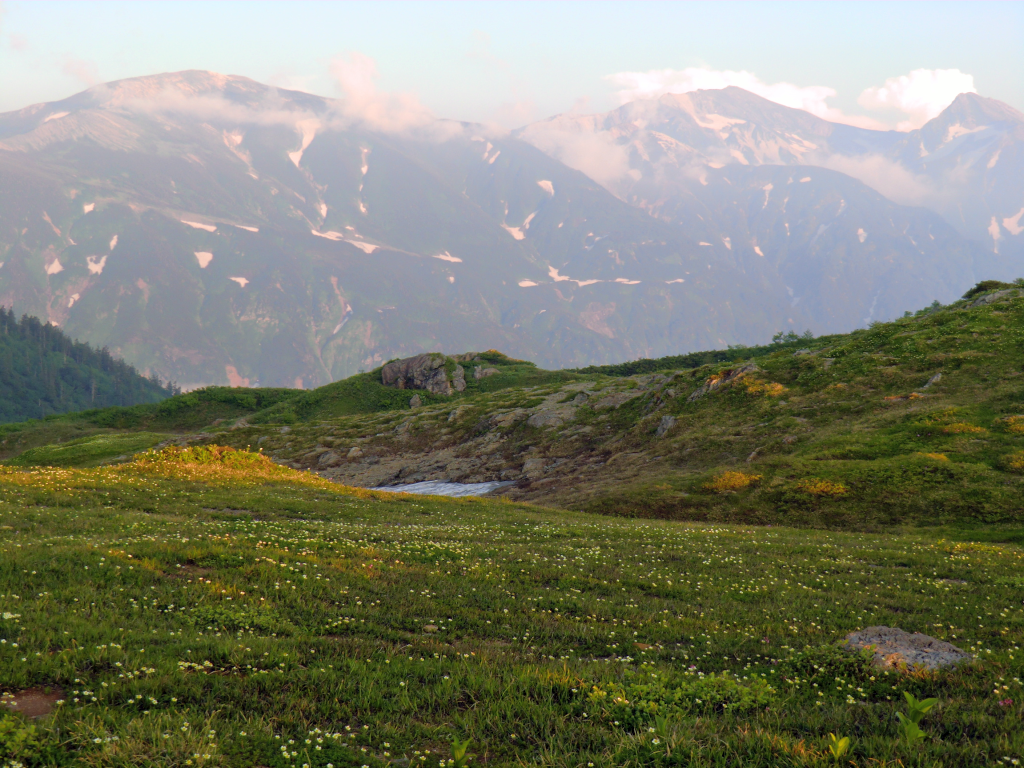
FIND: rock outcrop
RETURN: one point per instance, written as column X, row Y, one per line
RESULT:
column 429, row 372
column 425, row 371
column 895, row 648
column 479, row 372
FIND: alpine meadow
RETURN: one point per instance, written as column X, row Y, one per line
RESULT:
column 624, row 416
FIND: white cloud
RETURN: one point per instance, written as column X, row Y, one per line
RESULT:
column 922, row 94
column 86, row 72
column 889, row 178
column 813, row 98
column 595, row 154
column 378, row 110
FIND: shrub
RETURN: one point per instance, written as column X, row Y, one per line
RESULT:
column 816, row 486
column 985, row 286
column 1015, row 461
column 962, row 428
column 731, row 481
column 1013, row 424
column 766, row 388
column 635, row 701
column 206, row 454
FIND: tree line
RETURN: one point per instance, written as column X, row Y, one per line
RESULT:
column 43, row 372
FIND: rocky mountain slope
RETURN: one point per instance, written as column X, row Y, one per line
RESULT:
column 920, row 419
column 213, row 230
column 966, row 164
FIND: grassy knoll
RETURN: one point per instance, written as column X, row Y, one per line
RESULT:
column 208, row 608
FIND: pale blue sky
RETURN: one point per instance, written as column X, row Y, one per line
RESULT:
column 510, row 62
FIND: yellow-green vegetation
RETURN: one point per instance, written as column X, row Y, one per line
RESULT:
column 206, row 607
column 88, row 451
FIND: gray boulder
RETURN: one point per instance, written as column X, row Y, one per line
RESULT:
column 479, row 372
column 894, row 648
column 667, row 422
column 459, row 379
column 329, row 459
column 421, row 372
column 990, row 298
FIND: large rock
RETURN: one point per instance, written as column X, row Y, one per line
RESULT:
column 991, row 298
column 895, row 648
column 459, row 379
column 421, row 372
column 479, row 372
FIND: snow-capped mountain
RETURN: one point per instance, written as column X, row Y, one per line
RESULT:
column 966, row 164
column 212, row 229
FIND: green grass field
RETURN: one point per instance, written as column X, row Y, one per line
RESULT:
column 205, row 609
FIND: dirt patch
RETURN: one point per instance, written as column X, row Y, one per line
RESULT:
column 894, row 648
column 33, row 702
column 188, row 571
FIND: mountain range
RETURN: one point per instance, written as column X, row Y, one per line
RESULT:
column 213, row 230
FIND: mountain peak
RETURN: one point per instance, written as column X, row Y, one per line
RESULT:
column 972, row 110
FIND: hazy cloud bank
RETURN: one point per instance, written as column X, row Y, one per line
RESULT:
column 813, row 99
column 922, row 94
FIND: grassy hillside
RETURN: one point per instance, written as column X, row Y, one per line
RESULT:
column 919, row 421
column 208, row 608
column 43, row 441
column 44, row 372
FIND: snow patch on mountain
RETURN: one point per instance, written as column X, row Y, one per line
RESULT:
column 957, row 130
column 113, row 242
column 993, row 230
column 445, row 256
column 526, row 284
column 88, row 207
column 516, row 232
column 307, row 129
column 72, row 299
column 56, row 116
column 200, row 225
column 242, row 281
column 861, row 234
column 54, row 267
column 547, row 186
column 248, row 229
column 96, row 267
column 718, row 123
column 553, row 274
column 204, row 258
column 1013, row 225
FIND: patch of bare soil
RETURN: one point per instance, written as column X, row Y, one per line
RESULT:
column 33, row 702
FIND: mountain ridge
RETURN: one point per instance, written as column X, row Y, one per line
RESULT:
column 240, row 233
